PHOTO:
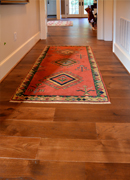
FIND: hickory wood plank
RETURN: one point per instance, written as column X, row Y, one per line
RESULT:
column 117, row 111
column 92, row 115
column 113, row 82
column 104, row 151
column 33, row 113
column 43, row 170
column 107, row 171
column 48, row 129
column 120, row 103
column 113, row 72
column 110, row 64
column 111, row 68
column 119, row 93
column 19, row 147
column 24, row 112
column 117, row 131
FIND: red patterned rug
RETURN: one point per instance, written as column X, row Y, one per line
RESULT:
column 63, row 74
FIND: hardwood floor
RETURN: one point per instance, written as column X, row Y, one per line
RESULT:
column 67, row 141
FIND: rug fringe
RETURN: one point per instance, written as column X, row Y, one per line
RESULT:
column 61, row 102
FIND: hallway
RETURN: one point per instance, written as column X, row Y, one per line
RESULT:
column 67, row 141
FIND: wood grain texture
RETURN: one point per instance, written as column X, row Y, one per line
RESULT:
column 33, row 113
column 109, row 151
column 107, row 171
column 48, row 129
column 115, row 131
column 18, row 147
column 43, row 170
column 92, row 115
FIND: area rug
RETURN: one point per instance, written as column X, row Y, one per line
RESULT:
column 60, row 23
column 63, row 74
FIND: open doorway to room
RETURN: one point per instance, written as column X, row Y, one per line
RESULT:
column 60, row 12
column 51, row 9
column 76, row 8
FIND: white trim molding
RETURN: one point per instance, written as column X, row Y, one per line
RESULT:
column 123, row 57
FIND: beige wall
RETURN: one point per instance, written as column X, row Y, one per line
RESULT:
column 108, row 20
column 24, row 20
column 105, row 20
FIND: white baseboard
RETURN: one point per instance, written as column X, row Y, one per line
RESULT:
column 122, row 55
column 10, row 62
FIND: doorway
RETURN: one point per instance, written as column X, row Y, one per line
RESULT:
column 51, row 8
column 76, row 8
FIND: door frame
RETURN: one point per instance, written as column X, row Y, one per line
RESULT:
column 43, row 18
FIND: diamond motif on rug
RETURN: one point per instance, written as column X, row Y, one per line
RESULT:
column 65, row 62
column 62, row 79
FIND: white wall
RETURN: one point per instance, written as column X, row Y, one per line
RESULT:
column 25, row 21
column 105, row 20
column 100, row 20
column 121, row 9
